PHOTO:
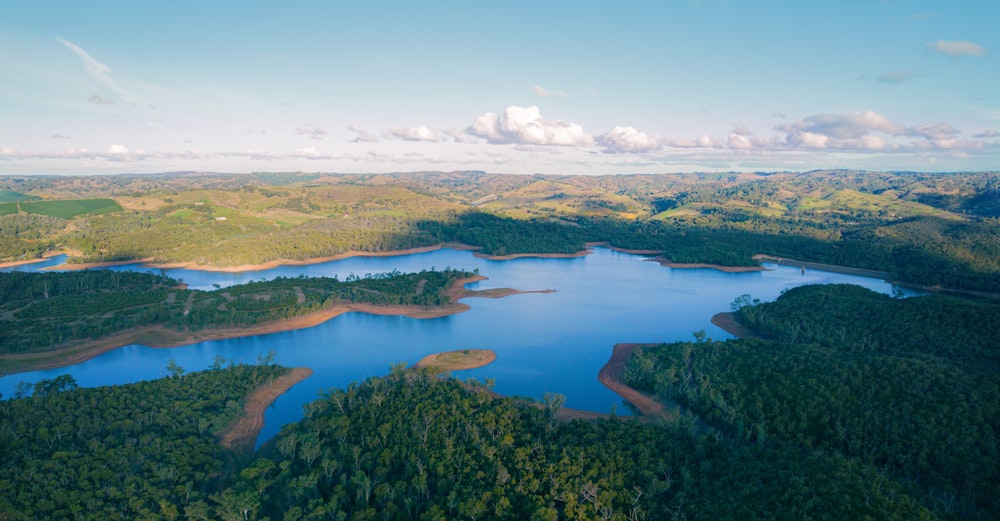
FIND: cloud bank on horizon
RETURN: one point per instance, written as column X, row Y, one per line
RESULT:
column 563, row 88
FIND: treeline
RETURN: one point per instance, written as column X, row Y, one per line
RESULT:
column 910, row 386
column 925, row 250
column 146, row 450
column 45, row 311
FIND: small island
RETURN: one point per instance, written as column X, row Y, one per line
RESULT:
column 457, row 360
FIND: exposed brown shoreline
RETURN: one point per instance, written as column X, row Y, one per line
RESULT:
column 825, row 267
column 611, row 376
column 727, row 322
column 695, row 265
column 241, row 434
column 160, row 337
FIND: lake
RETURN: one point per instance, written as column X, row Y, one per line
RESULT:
column 552, row 342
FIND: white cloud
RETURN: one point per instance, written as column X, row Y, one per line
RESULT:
column 421, row 133
column 957, row 48
column 310, row 131
column 838, row 131
column 625, row 140
column 98, row 72
column 306, row 151
column 937, row 130
column 361, row 135
column 60, row 136
column 525, row 126
column 546, row 93
column 117, row 149
column 739, row 141
column 866, row 131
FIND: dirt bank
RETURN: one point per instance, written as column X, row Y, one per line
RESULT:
column 693, row 265
column 241, row 435
column 728, row 323
column 611, row 376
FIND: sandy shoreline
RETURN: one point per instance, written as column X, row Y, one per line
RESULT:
column 611, row 376
column 657, row 256
column 44, row 257
column 160, row 337
column 241, row 434
column 885, row 275
column 727, row 322
column 667, row 263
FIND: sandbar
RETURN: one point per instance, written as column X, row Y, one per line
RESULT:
column 458, row 360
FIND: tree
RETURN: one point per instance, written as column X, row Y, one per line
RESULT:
column 175, row 370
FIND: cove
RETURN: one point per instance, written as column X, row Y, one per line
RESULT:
column 552, row 342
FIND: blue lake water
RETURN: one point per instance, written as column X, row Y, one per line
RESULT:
column 552, row 342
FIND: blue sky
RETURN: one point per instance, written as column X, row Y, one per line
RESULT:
column 510, row 87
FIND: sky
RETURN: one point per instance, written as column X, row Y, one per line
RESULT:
column 552, row 87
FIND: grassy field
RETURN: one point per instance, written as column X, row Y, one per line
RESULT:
column 10, row 196
column 68, row 209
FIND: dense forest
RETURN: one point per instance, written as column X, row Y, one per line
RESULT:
column 146, row 450
column 928, row 229
column 910, row 386
column 407, row 446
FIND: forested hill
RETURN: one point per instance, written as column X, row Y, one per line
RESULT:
column 910, row 386
column 932, row 229
column 146, row 450
column 407, row 446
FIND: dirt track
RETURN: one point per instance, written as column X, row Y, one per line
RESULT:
column 242, row 433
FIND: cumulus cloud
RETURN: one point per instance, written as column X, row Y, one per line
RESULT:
column 703, row 141
column 421, row 133
column 865, row 131
column 546, row 93
column 117, row 149
column 310, row 131
column 900, row 76
column 525, row 126
column 957, row 48
column 361, row 135
column 306, row 151
column 624, row 140
column 839, row 131
column 97, row 71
